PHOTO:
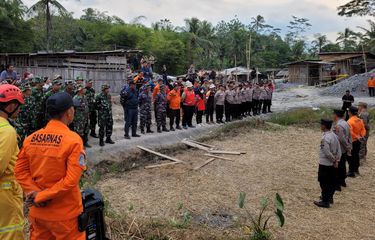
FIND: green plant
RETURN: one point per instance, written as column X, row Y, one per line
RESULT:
column 259, row 224
column 181, row 222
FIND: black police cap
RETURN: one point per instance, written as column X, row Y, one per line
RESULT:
column 353, row 110
column 60, row 102
column 338, row 112
column 326, row 122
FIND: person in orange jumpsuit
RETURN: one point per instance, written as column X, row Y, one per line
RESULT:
column 11, row 197
column 48, row 169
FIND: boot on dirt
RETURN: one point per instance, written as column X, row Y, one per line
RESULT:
column 136, row 135
column 165, row 129
column 101, row 142
column 172, row 129
column 109, row 140
column 93, row 134
column 127, row 137
column 322, row 204
column 159, row 130
column 149, row 130
column 179, row 128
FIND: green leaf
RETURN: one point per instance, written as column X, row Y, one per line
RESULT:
column 264, row 202
column 241, row 200
column 280, row 217
column 279, row 204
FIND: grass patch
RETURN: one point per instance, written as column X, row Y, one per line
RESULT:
column 302, row 117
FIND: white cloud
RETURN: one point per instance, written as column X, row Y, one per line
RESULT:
column 322, row 13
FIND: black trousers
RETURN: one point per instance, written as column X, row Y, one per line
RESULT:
column 174, row 116
column 249, row 107
column 93, row 120
column 371, row 91
column 228, row 111
column 265, row 106
column 243, row 108
column 187, row 119
column 341, row 170
column 219, row 113
column 326, row 178
column 131, row 120
column 199, row 116
column 354, row 159
column 210, row 113
column 255, row 106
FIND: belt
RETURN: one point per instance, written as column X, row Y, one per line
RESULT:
column 5, row 185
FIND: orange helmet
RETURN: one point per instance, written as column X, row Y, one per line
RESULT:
column 10, row 92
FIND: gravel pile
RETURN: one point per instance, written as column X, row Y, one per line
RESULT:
column 357, row 84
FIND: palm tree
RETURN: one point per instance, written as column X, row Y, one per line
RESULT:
column 319, row 42
column 347, row 39
column 368, row 37
column 46, row 7
column 10, row 11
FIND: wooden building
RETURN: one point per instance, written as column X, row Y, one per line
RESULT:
column 309, row 72
column 103, row 67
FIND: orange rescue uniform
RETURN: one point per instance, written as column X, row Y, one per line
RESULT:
column 51, row 163
column 174, row 99
column 357, row 128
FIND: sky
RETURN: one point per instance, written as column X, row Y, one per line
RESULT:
column 321, row 13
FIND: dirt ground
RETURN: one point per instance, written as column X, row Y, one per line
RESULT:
column 279, row 160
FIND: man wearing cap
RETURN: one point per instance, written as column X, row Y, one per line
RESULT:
column 144, row 101
column 49, row 168
column 189, row 101
column 131, row 110
column 69, row 88
column 37, row 97
column 347, row 101
column 161, row 110
column 365, row 116
column 11, row 197
column 78, row 81
column 358, row 131
column 93, row 116
column 329, row 157
column 56, row 87
column 24, row 118
column 81, row 116
column 105, row 121
column 342, row 130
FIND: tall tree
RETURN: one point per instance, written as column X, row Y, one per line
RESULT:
column 357, row 7
column 347, row 39
column 46, row 7
column 368, row 37
column 319, row 42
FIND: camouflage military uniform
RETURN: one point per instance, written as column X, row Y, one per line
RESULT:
column 90, row 96
column 81, row 117
column 161, row 110
column 144, row 101
column 46, row 96
column 24, row 120
column 104, row 106
column 36, row 106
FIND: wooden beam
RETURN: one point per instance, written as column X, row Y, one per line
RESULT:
column 225, row 152
column 203, row 144
column 204, row 164
column 160, row 154
column 218, row 157
column 162, row 165
column 194, row 145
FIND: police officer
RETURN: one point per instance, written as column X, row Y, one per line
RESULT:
column 105, row 121
column 329, row 157
column 11, row 197
column 90, row 96
column 144, row 101
column 342, row 131
column 49, row 168
column 81, row 117
column 131, row 110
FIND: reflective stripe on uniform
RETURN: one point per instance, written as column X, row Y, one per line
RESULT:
column 12, row 228
column 5, row 185
column 5, row 125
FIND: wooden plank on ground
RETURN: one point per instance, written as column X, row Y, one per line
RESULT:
column 204, row 164
column 160, row 154
column 225, row 152
column 218, row 157
column 194, row 145
column 203, row 144
column 161, row 165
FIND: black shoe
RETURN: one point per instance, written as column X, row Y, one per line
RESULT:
column 321, row 204
column 127, row 137
column 191, row 126
column 159, row 131
column 143, row 131
column 109, row 140
column 351, row 175
column 165, row 129
column 136, row 135
column 338, row 188
column 179, row 128
column 172, row 129
column 149, row 131
column 93, row 134
column 330, row 201
column 101, row 142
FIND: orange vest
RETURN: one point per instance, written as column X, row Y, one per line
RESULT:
column 51, row 162
column 357, row 128
column 200, row 106
column 174, row 99
column 190, row 98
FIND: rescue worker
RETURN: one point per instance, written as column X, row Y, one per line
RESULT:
column 371, row 86
column 365, row 116
column 210, row 104
column 24, row 118
column 49, row 168
column 131, row 110
column 174, row 102
column 329, row 157
column 219, row 104
column 358, row 132
column 189, row 102
column 161, row 110
column 37, row 104
column 144, row 101
column 81, row 117
column 342, row 130
column 90, row 96
column 105, row 121
column 11, row 197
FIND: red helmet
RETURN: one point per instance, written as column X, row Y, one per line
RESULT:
column 10, row 92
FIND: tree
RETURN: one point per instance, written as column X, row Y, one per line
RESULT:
column 319, row 42
column 368, row 37
column 347, row 39
column 46, row 7
column 357, row 7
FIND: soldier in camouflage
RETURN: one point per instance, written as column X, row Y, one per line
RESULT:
column 144, row 101
column 104, row 107
column 69, row 87
column 90, row 96
column 161, row 110
column 56, row 87
column 78, row 81
column 24, row 118
column 81, row 116
column 36, row 104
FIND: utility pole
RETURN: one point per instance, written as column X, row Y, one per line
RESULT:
column 364, row 58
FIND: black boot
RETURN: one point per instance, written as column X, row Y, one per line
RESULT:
column 159, row 130
column 165, row 129
column 101, row 142
column 322, row 204
column 93, row 134
column 109, row 140
column 142, row 131
column 149, row 130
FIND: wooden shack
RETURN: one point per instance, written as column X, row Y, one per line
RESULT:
column 350, row 63
column 103, row 67
column 309, row 72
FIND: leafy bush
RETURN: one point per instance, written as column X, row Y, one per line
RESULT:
column 258, row 228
